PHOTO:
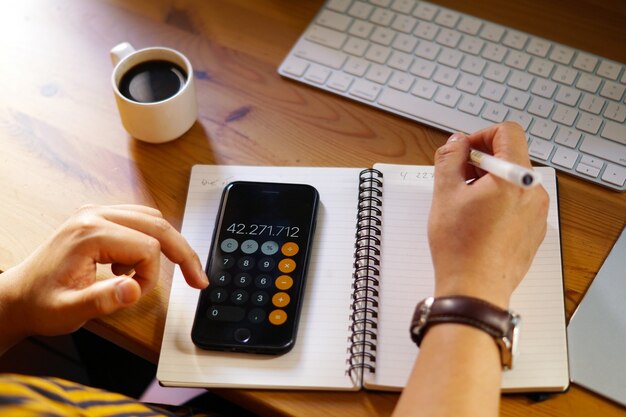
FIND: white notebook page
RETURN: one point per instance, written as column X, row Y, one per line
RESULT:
column 407, row 277
column 318, row 359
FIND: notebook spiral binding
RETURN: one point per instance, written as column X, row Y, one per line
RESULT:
column 364, row 307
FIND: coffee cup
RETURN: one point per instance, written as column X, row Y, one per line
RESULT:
column 154, row 91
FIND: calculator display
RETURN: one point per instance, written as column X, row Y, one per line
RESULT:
column 257, row 268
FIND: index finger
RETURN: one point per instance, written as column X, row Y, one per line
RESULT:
column 505, row 140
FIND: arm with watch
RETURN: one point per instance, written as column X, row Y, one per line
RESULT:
column 483, row 236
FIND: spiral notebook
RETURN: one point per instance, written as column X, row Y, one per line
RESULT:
column 370, row 265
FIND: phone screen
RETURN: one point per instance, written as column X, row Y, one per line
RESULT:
column 257, row 268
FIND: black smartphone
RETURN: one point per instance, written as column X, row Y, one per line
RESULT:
column 257, row 268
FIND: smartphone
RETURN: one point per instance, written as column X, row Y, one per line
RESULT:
column 257, row 268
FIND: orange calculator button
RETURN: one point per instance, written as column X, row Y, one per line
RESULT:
column 277, row 317
column 281, row 299
column 286, row 265
column 284, row 282
column 290, row 249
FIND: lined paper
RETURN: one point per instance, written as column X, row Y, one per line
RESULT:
column 318, row 359
column 408, row 277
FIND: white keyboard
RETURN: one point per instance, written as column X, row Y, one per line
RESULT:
column 460, row 73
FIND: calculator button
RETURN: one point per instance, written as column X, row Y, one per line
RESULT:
column 266, row 264
column 269, row 248
column 218, row 295
column 225, row 261
column 256, row 315
column 283, row 282
column 277, row 317
column 281, row 299
column 242, row 335
column 229, row 245
column 286, row 265
column 249, row 246
column 262, row 281
column 239, row 297
column 245, row 263
column 260, row 298
column 242, row 280
column 221, row 279
column 226, row 313
column 289, row 249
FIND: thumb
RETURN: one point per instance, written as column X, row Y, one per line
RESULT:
column 104, row 297
column 451, row 163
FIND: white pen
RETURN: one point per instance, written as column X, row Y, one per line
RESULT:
column 517, row 174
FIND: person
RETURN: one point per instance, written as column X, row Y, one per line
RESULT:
column 458, row 370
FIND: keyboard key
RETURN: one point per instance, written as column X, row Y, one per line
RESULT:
column 447, row 18
column 326, row 37
column 334, row 20
column 469, row 84
column 616, row 112
column 427, row 50
column 565, row 115
column 538, row 47
column 356, row 46
column 404, row 43
column 404, row 24
column 520, row 80
column 518, row 60
column 492, row 32
column 382, row 36
column 615, row 132
column 446, row 76
column 447, row 96
column 613, row 91
column 614, row 174
column 425, row 11
column 378, row 53
column 493, row 91
column 543, row 129
column 338, row 5
column 588, row 123
column 400, row 61
column 606, row 149
column 516, row 99
column 561, row 54
column 401, row 81
column 567, row 95
column 592, row 162
column 543, row 88
column 382, row 17
column 423, row 69
column 609, row 69
column 496, row 72
column 585, row 62
column 587, row 170
column 449, row 38
column 567, row 137
column 295, row 66
column 540, row 148
column 592, row 104
column 450, row 57
column 361, row 10
column 565, row 157
column 471, row 45
column 340, row 81
column 469, row 25
column 540, row 67
column 426, row 30
column 320, row 54
column 495, row 112
column 378, row 73
column 473, row 65
column 317, row 74
column 471, row 105
column 356, row 66
column 540, row 107
column 365, row 89
column 564, row 75
column 444, row 116
column 361, row 29
column 494, row 52
column 424, row 89
column 403, row 6
column 515, row 40
column 522, row 118
column 588, row 83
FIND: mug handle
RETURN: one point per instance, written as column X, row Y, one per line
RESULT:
column 120, row 52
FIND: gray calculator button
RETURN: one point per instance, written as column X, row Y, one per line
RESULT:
column 256, row 315
column 269, row 247
column 226, row 313
column 229, row 245
column 249, row 246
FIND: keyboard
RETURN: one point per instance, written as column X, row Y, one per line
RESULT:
column 457, row 72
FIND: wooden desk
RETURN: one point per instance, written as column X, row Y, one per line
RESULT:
column 62, row 145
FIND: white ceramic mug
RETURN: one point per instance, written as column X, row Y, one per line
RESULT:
column 158, row 121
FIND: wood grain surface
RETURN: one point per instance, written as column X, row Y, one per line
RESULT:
column 62, row 144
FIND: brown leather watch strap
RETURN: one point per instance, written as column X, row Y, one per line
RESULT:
column 464, row 310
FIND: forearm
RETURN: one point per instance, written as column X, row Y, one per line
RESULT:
column 10, row 323
column 457, row 373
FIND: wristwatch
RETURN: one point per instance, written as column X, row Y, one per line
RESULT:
column 501, row 324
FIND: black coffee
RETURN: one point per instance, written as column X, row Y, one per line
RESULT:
column 152, row 81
